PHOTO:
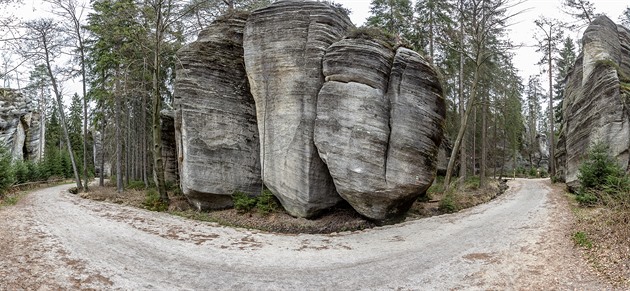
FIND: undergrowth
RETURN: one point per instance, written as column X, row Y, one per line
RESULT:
column 264, row 203
column 152, row 201
column 604, row 214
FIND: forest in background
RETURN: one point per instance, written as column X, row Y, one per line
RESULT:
column 124, row 54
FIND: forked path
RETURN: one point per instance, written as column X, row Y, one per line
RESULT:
column 53, row 239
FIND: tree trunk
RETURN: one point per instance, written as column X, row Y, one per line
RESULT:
column 462, row 127
column 158, row 164
column 484, row 141
column 119, row 141
column 62, row 115
column 145, row 168
column 101, row 180
column 552, row 146
column 85, row 105
column 463, row 157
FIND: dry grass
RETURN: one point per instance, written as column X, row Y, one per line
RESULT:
column 439, row 202
column 608, row 230
column 338, row 219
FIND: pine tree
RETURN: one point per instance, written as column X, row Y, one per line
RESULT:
column 583, row 11
column 534, row 94
column 394, row 16
column 566, row 60
column 548, row 41
column 6, row 172
column 432, row 24
column 625, row 17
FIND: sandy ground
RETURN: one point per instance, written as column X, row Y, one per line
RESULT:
column 54, row 240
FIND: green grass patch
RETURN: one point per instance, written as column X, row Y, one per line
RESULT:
column 581, row 239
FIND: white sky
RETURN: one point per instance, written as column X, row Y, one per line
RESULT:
column 522, row 28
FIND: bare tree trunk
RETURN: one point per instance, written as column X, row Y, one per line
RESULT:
column 462, row 154
column 119, row 141
column 552, row 146
column 484, row 141
column 62, row 115
column 101, row 180
column 474, row 142
column 145, row 168
column 158, row 164
column 85, row 105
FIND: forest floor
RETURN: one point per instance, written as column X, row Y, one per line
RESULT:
column 521, row 240
column 603, row 232
column 338, row 219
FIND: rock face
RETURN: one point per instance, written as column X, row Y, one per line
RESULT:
column 380, row 117
column 169, row 146
column 596, row 99
column 284, row 46
column 343, row 113
column 215, row 119
column 21, row 126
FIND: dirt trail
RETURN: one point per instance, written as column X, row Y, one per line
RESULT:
column 53, row 240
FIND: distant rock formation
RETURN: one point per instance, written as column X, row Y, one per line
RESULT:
column 21, row 126
column 284, row 47
column 595, row 106
column 218, row 149
column 343, row 114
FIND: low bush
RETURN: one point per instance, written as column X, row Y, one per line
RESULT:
column 152, row 201
column 447, row 204
column 263, row 203
column 601, row 178
column 136, row 185
column 243, row 202
column 266, row 202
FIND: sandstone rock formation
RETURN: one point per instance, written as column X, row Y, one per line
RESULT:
column 21, row 126
column 169, row 145
column 380, row 117
column 316, row 89
column 284, row 46
column 215, row 119
column 596, row 99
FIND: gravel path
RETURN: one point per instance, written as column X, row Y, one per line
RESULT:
column 55, row 240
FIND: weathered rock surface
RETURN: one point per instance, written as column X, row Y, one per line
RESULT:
column 169, row 145
column 380, row 118
column 215, row 119
column 596, row 99
column 284, row 46
column 21, row 126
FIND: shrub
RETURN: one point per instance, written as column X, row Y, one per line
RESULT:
column 533, row 172
column 447, row 204
column 543, row 173
column 243, row 202
column 585, row 197
column 136, row 185
column 21, row 172
column 266, row 202
column 152, row 201
column 472, row 183
column 600, row 175
column 598, row 167
column 6, row 172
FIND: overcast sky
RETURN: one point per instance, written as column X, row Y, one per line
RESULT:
column 522, row 28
